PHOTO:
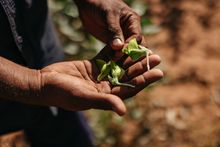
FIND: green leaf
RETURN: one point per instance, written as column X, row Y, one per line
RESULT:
column 112, row 71
column 116, row 74
column 100, row 63
column 136, row 51
column 136, row 54
column 133, row 44
column 116, row 70
column 105, row 70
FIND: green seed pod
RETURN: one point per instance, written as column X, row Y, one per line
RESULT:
column 105, row 70
column 117, row 73
column 116, row 70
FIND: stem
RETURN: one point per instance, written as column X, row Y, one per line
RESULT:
column 125, row 84
column 115, row 82
column 148, row 51
column 148, row 64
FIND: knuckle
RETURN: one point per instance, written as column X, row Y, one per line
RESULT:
column 135, row 81
column 141, row 65
column 126, row 11
column 113, row 30
column 123, row 11
column 135, row 17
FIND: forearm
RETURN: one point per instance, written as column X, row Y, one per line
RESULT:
column 18, row 83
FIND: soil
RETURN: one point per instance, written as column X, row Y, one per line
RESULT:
column 183, row 109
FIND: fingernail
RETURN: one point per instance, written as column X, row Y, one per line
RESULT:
column 117, row 43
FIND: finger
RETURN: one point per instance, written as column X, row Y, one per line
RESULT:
column 153, row 61
column 131, row 25
column 136, row 35
column 117, row 43
column 108, row 102
column 140, row 82
column 114, row 27
column 141, row 67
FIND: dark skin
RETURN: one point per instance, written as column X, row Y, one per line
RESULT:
column 111, row 21
column 72, row 85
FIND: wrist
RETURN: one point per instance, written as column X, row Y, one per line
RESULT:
column 33, row 86
column 18, row 83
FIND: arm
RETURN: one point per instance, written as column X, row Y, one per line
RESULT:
column 73, row 85
column 18, row 83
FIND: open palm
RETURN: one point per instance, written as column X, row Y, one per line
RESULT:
column 72, row 85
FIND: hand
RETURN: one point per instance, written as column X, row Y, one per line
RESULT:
column 111, row 21
column 72, row 85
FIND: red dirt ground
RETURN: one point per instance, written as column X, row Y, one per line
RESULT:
column 183, row 110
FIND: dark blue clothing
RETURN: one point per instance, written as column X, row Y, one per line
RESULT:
column 27, row 25
column 27, row 37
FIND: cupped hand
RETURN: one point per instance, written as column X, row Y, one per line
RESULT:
column 111, row 21
column 72, row 85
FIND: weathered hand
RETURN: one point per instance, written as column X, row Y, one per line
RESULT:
column 72, row 85
column 111, row 21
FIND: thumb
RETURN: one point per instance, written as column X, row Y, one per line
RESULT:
column 116, row 103
column 117, row 38
column 109, row 102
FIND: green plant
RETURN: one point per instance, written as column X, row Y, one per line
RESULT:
column 136, row 51
column 114, row 72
